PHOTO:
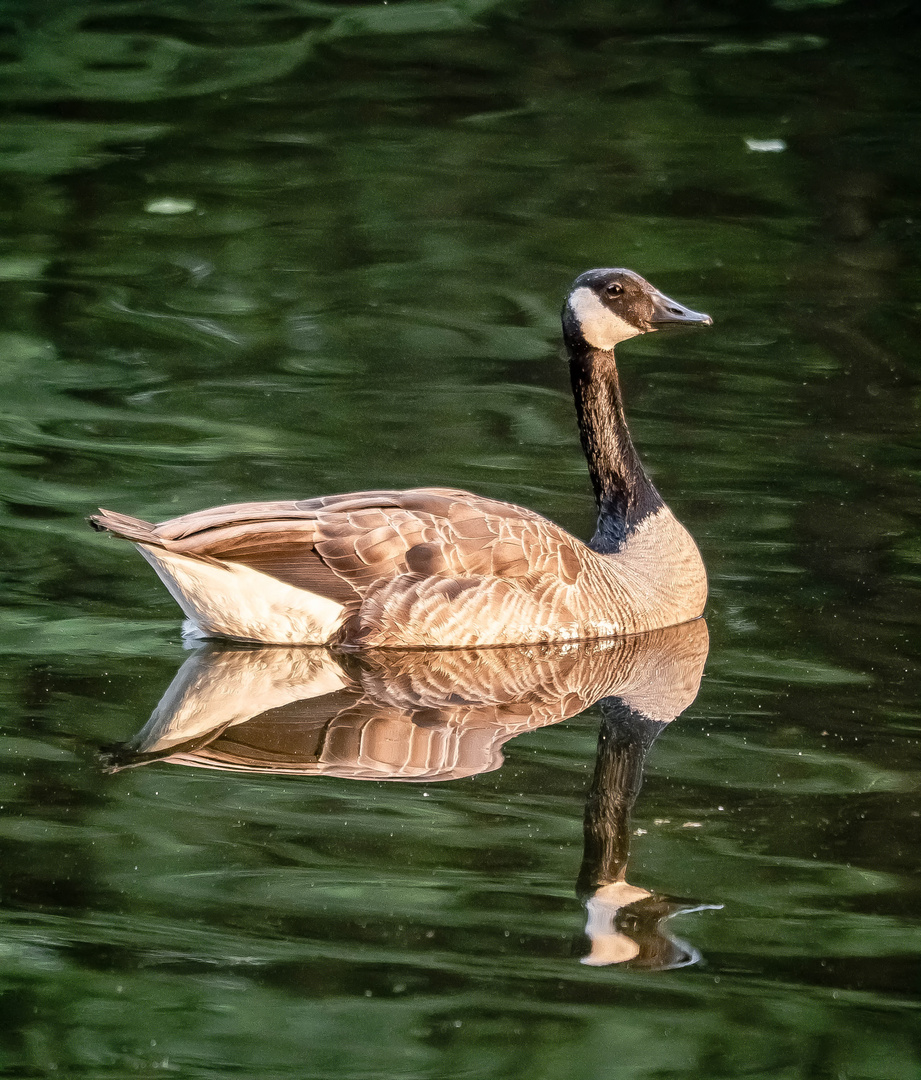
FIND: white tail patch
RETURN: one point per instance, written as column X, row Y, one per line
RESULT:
column 216, row 690
column 600, row 327
column 235, row 601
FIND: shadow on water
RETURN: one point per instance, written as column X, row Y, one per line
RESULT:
column 421, row 716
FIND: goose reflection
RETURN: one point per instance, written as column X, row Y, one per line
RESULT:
column 426, row 716
column 625, row 924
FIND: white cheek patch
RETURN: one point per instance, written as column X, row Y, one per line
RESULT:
column 601, row 328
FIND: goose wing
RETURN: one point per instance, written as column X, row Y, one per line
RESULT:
column 375, row 536
column 403, row 558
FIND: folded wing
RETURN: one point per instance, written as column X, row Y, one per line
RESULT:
column 430, row 566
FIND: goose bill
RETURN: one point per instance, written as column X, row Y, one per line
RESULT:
column 667, row 312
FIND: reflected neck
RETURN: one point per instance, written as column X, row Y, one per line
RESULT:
column 624, row 493
column 624, row 739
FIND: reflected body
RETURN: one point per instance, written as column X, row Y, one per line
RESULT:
column 433, row 716
column 438, row 567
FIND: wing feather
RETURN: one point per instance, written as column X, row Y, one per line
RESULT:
column 422, row 566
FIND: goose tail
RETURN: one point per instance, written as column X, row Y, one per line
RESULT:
column 124, row 526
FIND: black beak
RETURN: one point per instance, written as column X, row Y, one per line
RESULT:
column 667, row 312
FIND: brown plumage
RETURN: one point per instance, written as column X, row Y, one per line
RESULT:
column 437, row 567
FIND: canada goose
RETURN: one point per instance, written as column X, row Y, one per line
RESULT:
column 437, row 567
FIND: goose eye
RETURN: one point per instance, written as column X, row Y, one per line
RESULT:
column 614, row 289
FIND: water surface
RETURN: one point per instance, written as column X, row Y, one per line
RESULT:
column 284, row 249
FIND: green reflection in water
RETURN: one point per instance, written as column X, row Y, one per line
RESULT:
column 275, row 250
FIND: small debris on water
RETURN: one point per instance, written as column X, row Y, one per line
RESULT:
column 169, row 206
column 766, row 146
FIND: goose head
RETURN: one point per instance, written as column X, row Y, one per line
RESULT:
column 607, row 306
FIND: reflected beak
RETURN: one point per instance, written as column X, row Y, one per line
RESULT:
column 666, row 312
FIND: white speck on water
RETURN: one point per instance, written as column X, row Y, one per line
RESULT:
column 766, row 146
column 166, row 206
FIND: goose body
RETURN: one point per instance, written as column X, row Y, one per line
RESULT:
column 439, row 567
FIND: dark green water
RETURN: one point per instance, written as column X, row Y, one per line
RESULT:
column 273, row 250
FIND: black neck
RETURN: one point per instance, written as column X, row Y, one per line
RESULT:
column 624, row 493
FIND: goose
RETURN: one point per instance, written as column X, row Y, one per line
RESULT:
column 445, row 568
